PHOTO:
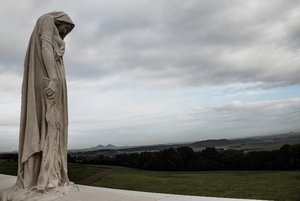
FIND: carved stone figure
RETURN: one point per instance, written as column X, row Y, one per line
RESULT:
column 42, row 163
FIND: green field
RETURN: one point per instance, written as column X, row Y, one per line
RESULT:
column 263, row 146
column 269, row 185
column 255, row 146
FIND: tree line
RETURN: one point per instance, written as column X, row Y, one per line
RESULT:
column 210, row 158
column 186, row 159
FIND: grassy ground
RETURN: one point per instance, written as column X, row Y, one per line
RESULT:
column 257, row 146
column 269, row 185
column 9, row 168
column 264, row 146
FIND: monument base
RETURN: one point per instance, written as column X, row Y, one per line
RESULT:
column 15, row 193
column 88, row 193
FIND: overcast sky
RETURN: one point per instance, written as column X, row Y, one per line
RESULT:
column 146, row 72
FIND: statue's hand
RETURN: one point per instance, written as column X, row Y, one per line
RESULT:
column 51, row 89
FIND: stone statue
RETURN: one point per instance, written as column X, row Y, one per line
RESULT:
column 42, row 163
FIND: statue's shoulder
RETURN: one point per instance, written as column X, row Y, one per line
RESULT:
column 45, row 23
column 45, row 19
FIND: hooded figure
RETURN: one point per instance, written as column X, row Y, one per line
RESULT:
column 44, row 118
column 42, row 163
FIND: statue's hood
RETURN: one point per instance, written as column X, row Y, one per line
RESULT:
column 59, row 16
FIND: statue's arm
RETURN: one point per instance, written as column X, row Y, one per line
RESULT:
column 48, row 27
column 47, row 47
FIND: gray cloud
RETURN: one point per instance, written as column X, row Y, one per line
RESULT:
column 233, row 120
column 192, row 44
column 170, row 42
column 123, row 55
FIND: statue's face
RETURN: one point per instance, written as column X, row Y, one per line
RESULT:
column 62, row 29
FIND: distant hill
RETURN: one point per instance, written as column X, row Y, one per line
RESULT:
column 251, row 143
column 98, row 147
column 110, row 146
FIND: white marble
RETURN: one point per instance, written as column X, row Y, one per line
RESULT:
column 89, row 193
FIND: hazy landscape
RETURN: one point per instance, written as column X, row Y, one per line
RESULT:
column 177, row 169
column 258, row 143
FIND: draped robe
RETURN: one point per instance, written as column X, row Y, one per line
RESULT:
column 42, row 161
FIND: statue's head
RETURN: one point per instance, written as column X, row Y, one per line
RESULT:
column 63, row 23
